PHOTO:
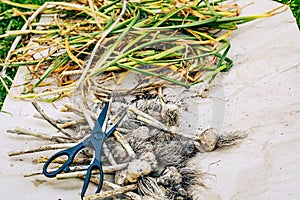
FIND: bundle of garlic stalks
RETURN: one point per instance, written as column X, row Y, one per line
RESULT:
column 148, row 157
column 132, row 52
column 179, row 42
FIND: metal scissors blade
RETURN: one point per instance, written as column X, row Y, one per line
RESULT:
column 101, row 119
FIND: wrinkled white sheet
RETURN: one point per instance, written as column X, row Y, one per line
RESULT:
column 260, row 95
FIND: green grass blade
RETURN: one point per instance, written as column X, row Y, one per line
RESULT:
column 162, row 20
column 50, row 69
column 187, row 25
column 148, row 73
column 143, row 45
column 20, row 5
column 108, row 5
column 225, row 45
column 220, row 65
column 112, row 48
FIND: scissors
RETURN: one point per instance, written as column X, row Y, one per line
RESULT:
column 95, row 141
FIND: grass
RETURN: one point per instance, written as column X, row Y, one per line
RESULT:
column 295, row 8
column 7, row 23
column 10, row 22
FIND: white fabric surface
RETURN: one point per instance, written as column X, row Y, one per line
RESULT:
column 261, row 97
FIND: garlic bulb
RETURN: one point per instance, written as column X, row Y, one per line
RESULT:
column 208, row 139
column 136, row 169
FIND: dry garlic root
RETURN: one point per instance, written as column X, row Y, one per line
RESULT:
column 170, row 113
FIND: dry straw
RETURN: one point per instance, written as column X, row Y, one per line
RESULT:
column 156, row 38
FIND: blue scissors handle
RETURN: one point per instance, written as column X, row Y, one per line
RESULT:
column 71, row 153
column 96, row 164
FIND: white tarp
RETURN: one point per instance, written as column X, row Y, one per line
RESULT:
column 261, row 95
